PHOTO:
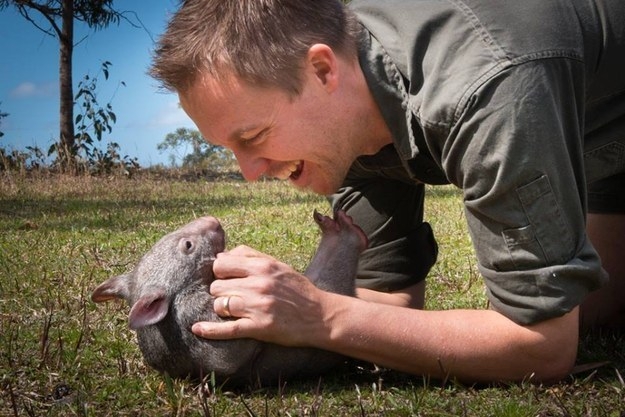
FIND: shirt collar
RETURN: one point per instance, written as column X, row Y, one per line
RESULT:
column 388, row 88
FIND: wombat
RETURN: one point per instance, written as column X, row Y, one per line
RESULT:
column 168, row 291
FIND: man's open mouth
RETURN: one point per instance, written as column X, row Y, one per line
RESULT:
column 298, row 171
column 291, row 170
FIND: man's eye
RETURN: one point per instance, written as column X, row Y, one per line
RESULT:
column 254, row 139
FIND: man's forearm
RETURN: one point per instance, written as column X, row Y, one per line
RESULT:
column 472, row 345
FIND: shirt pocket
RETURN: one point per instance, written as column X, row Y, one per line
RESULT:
column 546, row 239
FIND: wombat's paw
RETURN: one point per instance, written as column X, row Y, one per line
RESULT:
column 341, row 224
column 326, row 224
column 347, row 223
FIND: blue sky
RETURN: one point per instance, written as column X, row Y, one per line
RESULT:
column 29, row 81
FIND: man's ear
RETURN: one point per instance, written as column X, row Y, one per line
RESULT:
column 324, row 64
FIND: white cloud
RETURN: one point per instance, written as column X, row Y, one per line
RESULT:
column 29, row 89
column 173, row 115
column 170, row 115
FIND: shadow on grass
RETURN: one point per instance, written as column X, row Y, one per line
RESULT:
column 63, row 214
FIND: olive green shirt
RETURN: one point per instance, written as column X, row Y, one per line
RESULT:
column 503, row 99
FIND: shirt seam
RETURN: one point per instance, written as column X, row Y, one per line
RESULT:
column 465, row 100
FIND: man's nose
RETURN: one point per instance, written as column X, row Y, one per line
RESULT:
column 252, row 168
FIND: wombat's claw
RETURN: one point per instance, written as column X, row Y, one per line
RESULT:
column 324, row 222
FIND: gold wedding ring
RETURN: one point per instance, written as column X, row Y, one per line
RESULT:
column 227, row 307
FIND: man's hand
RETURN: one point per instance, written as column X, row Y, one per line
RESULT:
column 267, row 299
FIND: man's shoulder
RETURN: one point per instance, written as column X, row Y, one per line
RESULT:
column 446, row 49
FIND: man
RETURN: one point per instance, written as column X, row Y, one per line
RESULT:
column 520, row 104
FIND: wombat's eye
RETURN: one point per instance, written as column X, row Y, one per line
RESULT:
column 186, row 245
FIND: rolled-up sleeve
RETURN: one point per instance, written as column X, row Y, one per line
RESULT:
column 517, row 154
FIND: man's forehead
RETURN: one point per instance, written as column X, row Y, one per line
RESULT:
column 216, row 88
column 206, row 93
column 227, row 110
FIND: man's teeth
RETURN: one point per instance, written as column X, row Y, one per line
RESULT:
column 286, row 171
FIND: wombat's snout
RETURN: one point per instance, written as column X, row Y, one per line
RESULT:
column 206, row 223
column 207, row 226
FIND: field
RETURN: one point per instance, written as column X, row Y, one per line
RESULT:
column 62, row 355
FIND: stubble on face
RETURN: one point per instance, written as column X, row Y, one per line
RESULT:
column 305, row 144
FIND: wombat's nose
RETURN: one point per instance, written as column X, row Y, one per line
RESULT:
column 206, row 226
column 212, row 226
column 210, row 223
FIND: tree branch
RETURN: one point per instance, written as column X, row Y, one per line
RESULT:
column 47, row 12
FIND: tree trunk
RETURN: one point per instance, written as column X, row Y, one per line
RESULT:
column 67, row 145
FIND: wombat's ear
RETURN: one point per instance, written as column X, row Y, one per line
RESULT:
column 114, row 287
column 149, row 309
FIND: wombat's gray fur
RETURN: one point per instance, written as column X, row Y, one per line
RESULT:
column 168, row 291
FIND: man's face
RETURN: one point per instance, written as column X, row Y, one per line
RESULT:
column 303, row 139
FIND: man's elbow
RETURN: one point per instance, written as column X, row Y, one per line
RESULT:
column 555, row 352
column 556, row 367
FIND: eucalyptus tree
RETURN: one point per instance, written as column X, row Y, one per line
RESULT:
column 56, row 18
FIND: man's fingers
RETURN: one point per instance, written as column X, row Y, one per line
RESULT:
column 243, row 250
column 228, row 306
column 238, row 263
column 234, row 329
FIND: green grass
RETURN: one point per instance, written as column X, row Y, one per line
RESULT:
column 61, row 236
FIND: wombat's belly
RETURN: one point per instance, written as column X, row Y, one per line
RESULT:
column 181, row 354
column 233, row 362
